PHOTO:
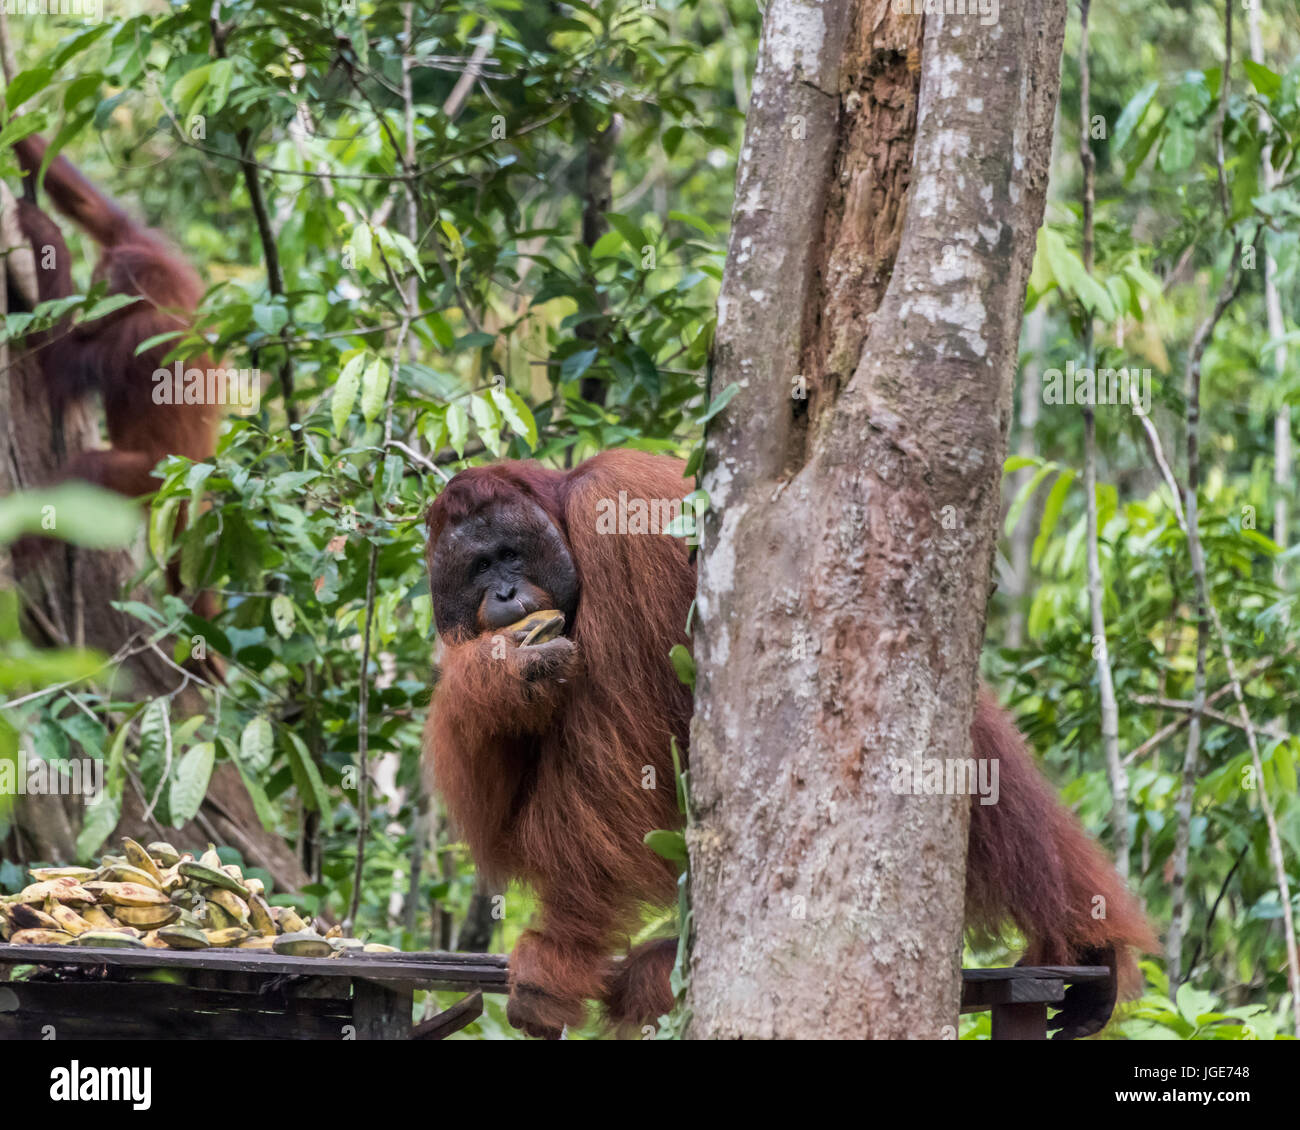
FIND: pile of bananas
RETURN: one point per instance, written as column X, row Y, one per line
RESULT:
column 158, row 898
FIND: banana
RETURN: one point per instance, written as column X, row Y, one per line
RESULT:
column 210, row 858
column 255, row 886
column 26, row 917
column 127, row 873
column 98, row 918
column 172, row 880
column 290, row 921
column 335, row 931
column 41, row 938
column 184, row 897
column 109, row 939
column 41, row 874
column 259, row 916
column 257, row 942
column 128, row 894
column 147, row 917
column 69, row 920
column 375, row 947
column 136, row 856
column 215, row 917
column 225, row 939
column 540, row 626
column 184, row 938
column 153, row 942
column 305, row 943
column 231, row 903
column 61, row 890
column 213, row 876
column 164, row 853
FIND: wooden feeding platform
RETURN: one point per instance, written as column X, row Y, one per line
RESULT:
column 231, row 994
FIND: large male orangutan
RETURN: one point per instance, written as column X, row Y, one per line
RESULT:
column 541, row 751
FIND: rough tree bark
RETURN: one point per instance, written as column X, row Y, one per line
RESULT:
column 890, row 188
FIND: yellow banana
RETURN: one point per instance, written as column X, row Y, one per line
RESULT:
column 128, row 894
column 305, row 943
column 164, row 853
column 147, row 917
column 137, row 857
column 231, row 903
column 41, row 938
column 109, row 939
column 69, row 920
column 61, row 890
column 184, row 938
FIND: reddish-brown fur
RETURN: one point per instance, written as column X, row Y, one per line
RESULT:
column 101, row 355
column 546, row 784
column 549, row 788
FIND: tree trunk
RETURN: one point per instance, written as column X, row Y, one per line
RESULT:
column 826, row 904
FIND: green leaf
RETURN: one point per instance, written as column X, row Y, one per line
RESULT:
column 97, row 825
column 307, row 780
column 76, row 512
column 1132, row 114
column 345, row 391
column 25, row 84
column 189, row 783
column 1178, row 148
column 1268, row 83
column 282, row 615
column 374, row 389
column 668, row 844
column 576, row 364
column 1052, row 512
column 720, row 402
column 635, row 237
column 187, row 91
column 517, row 415
column 457, row 427
column 607, row 245
column 363, row 247
column 1024, row 494
column 162, row 530
column 683, row 663
column 695, row 222
column 257, row 744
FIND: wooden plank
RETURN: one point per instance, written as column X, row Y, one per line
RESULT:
column 380, row 1013
column 1034, row 972
column 979, row 995
column 1020, row 1022
column 422, row 970
column 146, row 1010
